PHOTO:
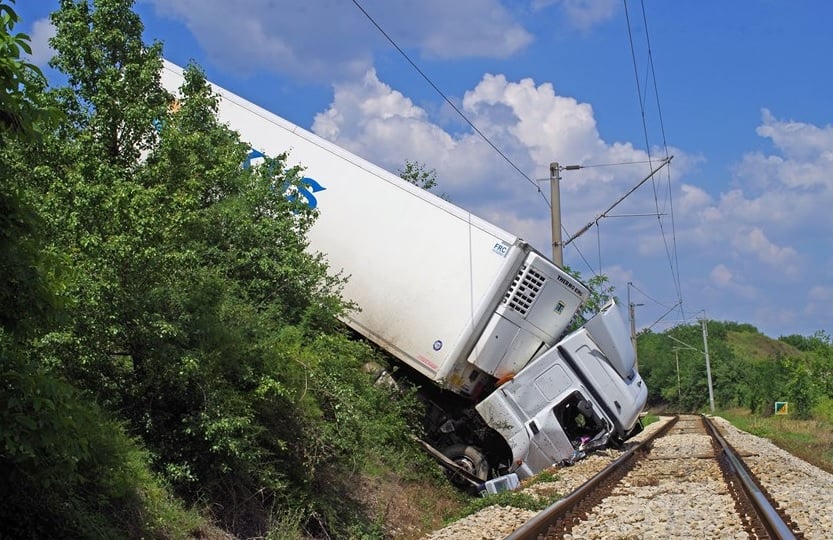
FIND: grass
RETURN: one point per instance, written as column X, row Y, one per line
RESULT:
column 757, row 347
column 810, row 440
column 407, row 509
column 515, row 499
column 649, row 419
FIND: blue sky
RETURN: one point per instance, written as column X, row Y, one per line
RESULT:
column 737, row 228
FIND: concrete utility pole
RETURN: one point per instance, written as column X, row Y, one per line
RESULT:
column 705, row 353
column 677, row 358
column 555, row 202
column 632, row 317
column 708, row 363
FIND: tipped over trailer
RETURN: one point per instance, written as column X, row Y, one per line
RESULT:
column 474, row 314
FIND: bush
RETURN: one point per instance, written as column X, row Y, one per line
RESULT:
column 69, row 471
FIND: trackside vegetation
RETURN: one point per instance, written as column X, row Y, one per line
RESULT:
column 172, row 362
column 750, row 373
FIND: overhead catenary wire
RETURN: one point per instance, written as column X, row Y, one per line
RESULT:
column 657, row 302
column 665, row 162
column 671, row 251
column 510, row 162
column 462, row 115
column 675, row 256
column 447, row 100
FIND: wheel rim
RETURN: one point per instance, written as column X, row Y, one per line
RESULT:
column 467, row 464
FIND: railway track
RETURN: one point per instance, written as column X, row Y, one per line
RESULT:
column 684, row 481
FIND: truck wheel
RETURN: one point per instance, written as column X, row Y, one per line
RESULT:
column 469, row 458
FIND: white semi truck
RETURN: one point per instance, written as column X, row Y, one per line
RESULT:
column 473, row 313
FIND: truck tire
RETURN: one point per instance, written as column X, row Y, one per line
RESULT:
column 469, row 458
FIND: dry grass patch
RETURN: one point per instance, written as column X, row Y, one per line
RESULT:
column 408, row 509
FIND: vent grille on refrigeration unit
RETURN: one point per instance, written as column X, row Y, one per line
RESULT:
column 525, row 288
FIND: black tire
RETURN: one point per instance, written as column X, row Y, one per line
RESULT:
column 469, row 458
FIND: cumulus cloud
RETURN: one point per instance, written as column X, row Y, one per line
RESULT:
column 774, row 224
column 583, row 13
column 783, row 196
column 820, row 302
column 370, row 118
column 724, row 280
column 773, row 196
column 721, row 275
column 753, row 241
column 802, row 159
column 529, row 123
column 326, row 41
column 692, row 199
column 798, row 140
column 42, row 31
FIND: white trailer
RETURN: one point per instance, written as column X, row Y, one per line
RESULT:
column 466, row 305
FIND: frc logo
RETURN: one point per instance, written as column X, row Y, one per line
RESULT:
column 306, row 189
column 501, row 249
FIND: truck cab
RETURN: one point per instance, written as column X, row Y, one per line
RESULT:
column 581, row 394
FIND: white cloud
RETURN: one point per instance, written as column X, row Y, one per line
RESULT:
column 721, row 275
column 764, row 241
column 42, row 31
column 820, row 302
column 803, row 160
column 744, row 245
column 583, row 13
column 753, row 241
column 782, row 199
column 798, row 140
column 326, row 41
column 725, row 281
column 529, row 123
column 692, row 199
column 460, row 29
column 371, row 119
column 545, row 123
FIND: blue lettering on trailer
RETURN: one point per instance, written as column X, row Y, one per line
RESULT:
column 306, row 182
column 312, row 202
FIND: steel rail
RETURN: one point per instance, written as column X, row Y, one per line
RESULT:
column 775, row 525
column 540, row 523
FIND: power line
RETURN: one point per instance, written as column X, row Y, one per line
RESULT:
column 447, row 100
column 676, row 262
column 470, row 123
column 673, row 259
column 514, row 166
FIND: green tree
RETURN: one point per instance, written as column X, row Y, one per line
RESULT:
column 801, row 377
column 68, row 469
column 20, row 114
column 601, row 292
column 25, row 293
column 196, row 313
column 114, row 77
column 416, row 173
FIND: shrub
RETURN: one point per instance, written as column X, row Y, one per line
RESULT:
column 69, row 471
